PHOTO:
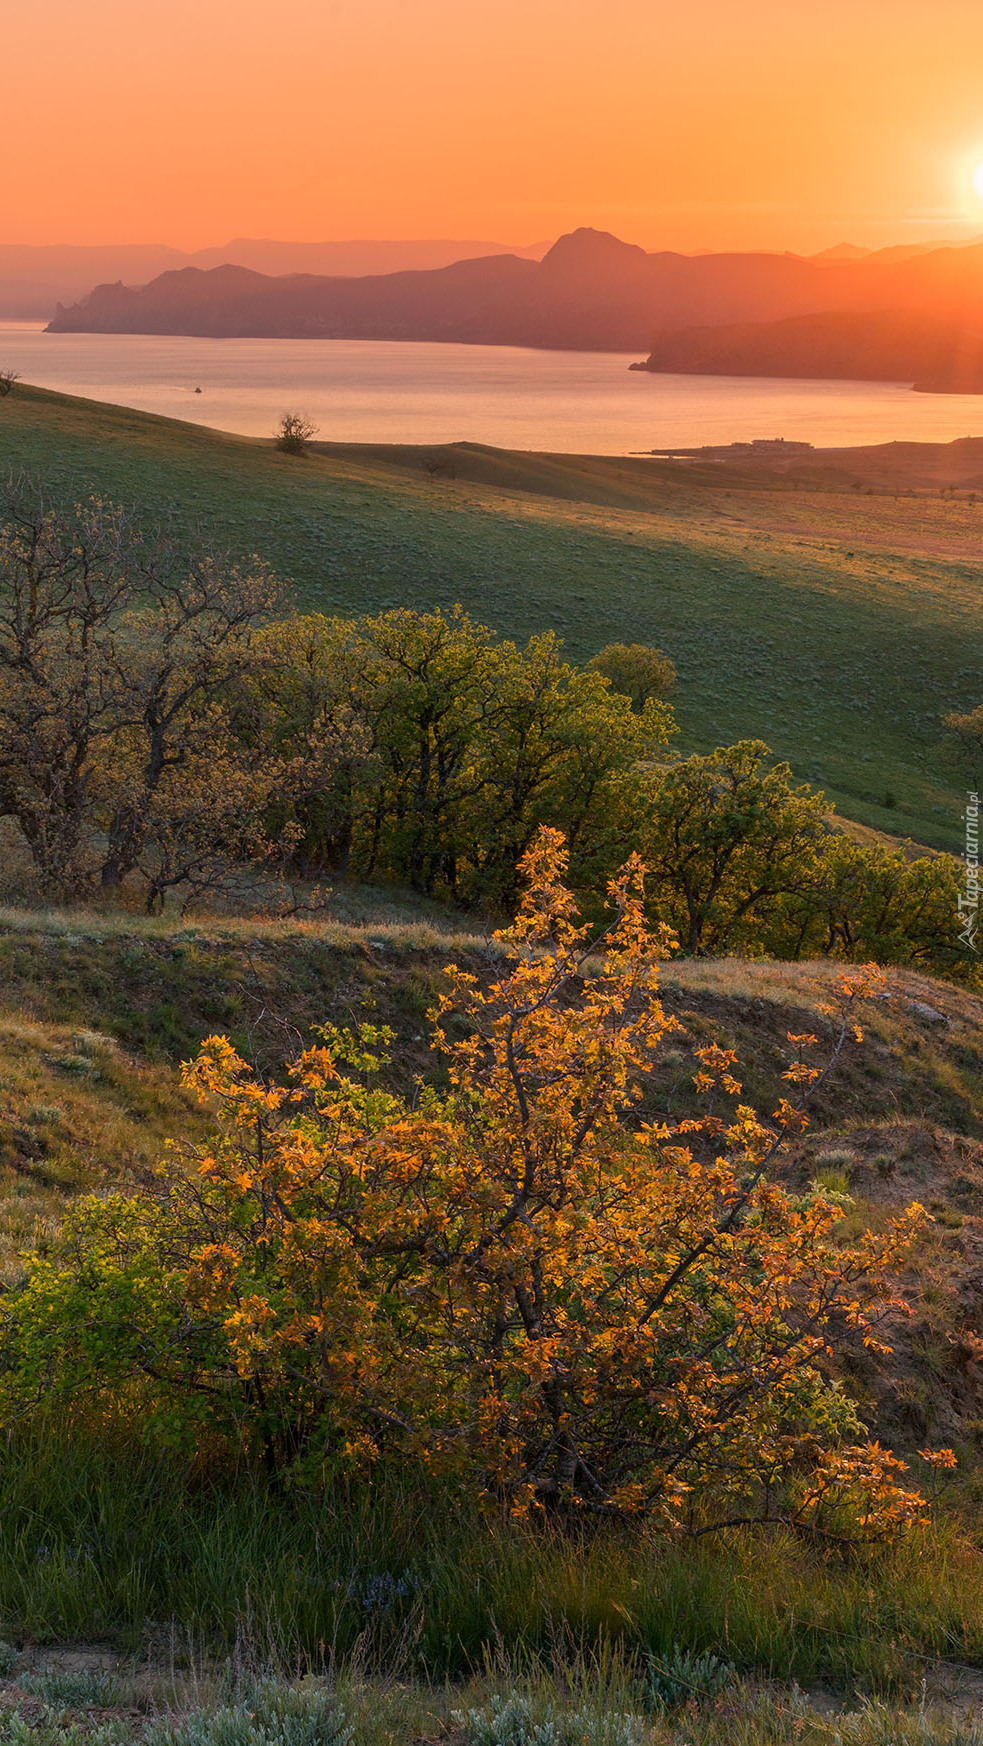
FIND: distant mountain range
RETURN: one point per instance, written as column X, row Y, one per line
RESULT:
column 34, row 280
column 895, row 314
column 937, row 356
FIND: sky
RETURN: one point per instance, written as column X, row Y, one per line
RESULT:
column 755, row 124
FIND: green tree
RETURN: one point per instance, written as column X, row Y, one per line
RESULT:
column 636, row 671
column 727, row 839
column 461, row 746
column 873, row 903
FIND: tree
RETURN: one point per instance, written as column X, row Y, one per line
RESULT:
column 727, row 839
column 114, row 669
column 305, row 701
column 511, row 1282
column 872, row 903
column 64, row 580
column 294, row 432
column 636, row 671
column 7, row 380
column 175, row 663
column 461, row 746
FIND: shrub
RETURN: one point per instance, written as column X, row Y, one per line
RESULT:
column 273, row 1715
column 505, row 1281
column 636, row 671
column 683, row 1676
column 294, row 432
column 514, row 1721
column 85, row 1690
column 50, row 1729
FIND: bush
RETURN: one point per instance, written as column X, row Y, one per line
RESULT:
column 515, row 1721
column 272, row 1715
column 86, row 1690
column 684, row 1677
column 635, row 671
column 294, row 432
column 505, row 1282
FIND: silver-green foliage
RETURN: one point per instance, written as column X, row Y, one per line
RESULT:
column 270, row 1715
column 86, row 1690
column 49, row 1729
column 513, row 1721
column 876, row 1724
column 682, row 1676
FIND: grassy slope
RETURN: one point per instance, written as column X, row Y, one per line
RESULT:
column 902, row 1120
column 129, row 1538
column 77, row 1114
column 158, row 987
column 836, row 626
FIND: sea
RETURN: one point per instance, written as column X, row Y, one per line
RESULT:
column 395, row 391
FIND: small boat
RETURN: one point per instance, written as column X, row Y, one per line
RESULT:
column 197, row 390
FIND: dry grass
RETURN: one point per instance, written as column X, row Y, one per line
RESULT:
column 76, row 1114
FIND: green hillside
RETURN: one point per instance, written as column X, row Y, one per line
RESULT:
column 835, row 625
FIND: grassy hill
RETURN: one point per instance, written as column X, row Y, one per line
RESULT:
column 835, row 621
column 98, row 1010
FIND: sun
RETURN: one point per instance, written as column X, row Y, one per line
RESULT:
column 978, row 181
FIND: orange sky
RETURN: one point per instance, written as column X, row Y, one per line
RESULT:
column 696, row 124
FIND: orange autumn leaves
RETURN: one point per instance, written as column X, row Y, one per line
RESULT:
column 515, row 1278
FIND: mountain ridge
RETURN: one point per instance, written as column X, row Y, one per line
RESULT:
column 35, row 277
column 882, row 346
column 590, row 291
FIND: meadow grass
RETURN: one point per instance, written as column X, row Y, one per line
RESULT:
column 821, row 624
column 158, row 986
column 600, row 1698
column 77, row 1115
column 837, row 628
column 114, row 1542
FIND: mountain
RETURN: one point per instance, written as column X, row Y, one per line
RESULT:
column 886, row 346
column 896, row 251
column 352, row 259
column 590, row 291
column 33, row 280
column 842, row 252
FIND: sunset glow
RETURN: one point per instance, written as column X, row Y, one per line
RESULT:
column 709, row 127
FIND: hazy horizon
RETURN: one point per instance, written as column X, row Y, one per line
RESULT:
column 688, row 129
column 972, row 233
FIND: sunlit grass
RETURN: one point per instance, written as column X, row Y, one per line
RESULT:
column 99, row 1541
column 781, row 625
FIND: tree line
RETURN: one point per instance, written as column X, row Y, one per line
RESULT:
column 163, row 724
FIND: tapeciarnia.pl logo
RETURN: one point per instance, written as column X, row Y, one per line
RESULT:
column 969, row 898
